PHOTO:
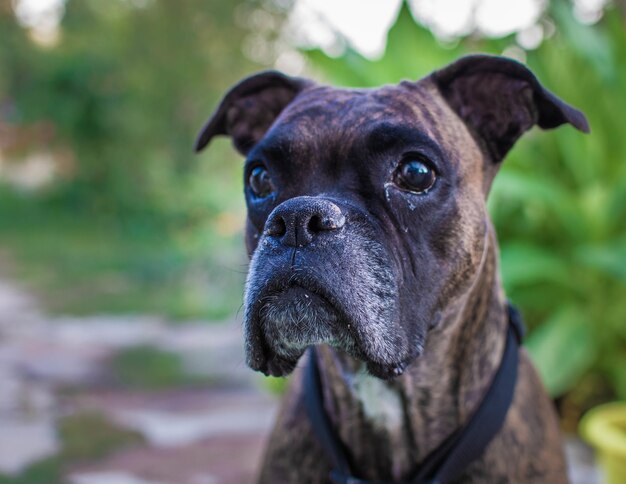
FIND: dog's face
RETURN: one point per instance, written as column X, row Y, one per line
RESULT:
column 366, row 208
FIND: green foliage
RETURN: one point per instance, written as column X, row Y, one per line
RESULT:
column 136, row 222
column 559, row 202
column 276, row 385
column 84, row 437
column 45, row 471
column 412, row 52
column 149, row 368
column 90, row 436
column 563, row 346
column 126, row 89
column 569, row 209
column 83, row 264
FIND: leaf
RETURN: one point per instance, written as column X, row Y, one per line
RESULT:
column 563, row 348
column 524, row 264
column 610, row 259
column 591, row 44
column 617, row 375
column 516, row 184
column 547, row 194
column 412, row 52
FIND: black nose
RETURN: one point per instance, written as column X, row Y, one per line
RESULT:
column 298, row 220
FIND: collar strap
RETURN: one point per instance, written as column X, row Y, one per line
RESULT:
column 448, row 461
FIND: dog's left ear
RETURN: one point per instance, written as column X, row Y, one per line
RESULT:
column 250, row 107
column 500, row 99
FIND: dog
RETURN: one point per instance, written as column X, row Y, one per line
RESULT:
column 369, row 236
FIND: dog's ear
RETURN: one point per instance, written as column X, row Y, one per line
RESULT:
column 500, row 99
column 250, row 107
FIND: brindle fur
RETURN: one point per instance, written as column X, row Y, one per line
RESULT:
column 408, row 284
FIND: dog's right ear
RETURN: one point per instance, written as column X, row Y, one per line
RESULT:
column 250, row 107
column 500, row 99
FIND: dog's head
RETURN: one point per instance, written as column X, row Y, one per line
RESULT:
column 366, row 207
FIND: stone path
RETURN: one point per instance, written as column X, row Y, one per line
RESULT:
column 194, row 435
column 202, row 435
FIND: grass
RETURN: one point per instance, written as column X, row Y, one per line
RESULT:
column 148, row 368
column 84, row 437
column 276, row 385
column 90, row 436
column 84, row 263
column 45, row 471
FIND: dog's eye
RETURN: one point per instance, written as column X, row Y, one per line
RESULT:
column 260, row 182
column 415, row 175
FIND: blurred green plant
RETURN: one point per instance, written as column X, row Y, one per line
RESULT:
column 44, row 471
column 146, row 367
column 83, row 437
column 559, row 202
column 89, row 436
column 564, row 257
column 87, row 264
column 275, row 385
column 134, row 222
column 126, row 90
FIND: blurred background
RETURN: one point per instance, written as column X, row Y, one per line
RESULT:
column 121, row 252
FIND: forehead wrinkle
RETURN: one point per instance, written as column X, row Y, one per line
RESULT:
column 330, row 120
column 419, row 105
column 453, row 133
column 274, row 145
column 428, row 109
column 322, row 102
column 457, row 141
column 411, row 105
column 389, row 134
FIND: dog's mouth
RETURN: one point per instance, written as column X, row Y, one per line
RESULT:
column 338, row 291
column 297, row 317
column 289, row 319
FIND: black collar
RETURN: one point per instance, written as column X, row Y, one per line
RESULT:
column 447, row 462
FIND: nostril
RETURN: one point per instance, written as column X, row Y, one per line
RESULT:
column 297, row 221
column 276, row 227
column 315, row 224
column 318, row 223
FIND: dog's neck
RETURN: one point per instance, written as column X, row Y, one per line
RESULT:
column 403, row 420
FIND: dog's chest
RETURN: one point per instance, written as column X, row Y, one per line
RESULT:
column 380, row 402
column 380, row 405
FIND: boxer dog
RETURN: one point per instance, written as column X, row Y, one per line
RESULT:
column 369, row 237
